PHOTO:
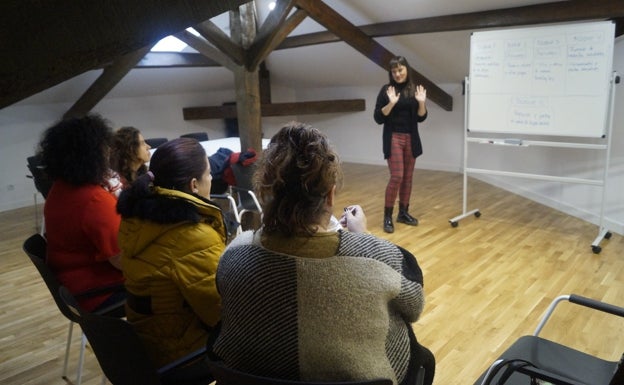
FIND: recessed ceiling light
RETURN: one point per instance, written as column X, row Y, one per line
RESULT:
column 271, row 5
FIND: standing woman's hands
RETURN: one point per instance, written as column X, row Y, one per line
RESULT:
column 420, row 94
column 393, row 97
column 421, row 97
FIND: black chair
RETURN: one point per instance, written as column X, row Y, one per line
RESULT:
column 199, row 136
column 155, row 142
column 119, row 350
column 533, row 358
column 43, row 183
column 228, row 376
column 35, row 247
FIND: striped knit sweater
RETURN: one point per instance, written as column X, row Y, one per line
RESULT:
column 345, row 317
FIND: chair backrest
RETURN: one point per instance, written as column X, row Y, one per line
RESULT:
column 35, row 247
column 244, row 187
column 116, row 345
column 43, row 183
column 155, row 142
column 199, row 136
column 228, row 376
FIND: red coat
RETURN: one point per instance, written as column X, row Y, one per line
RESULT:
column 81, row 229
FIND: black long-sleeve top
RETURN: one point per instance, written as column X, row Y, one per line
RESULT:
column 403, row 118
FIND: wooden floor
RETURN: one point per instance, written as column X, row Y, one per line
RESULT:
column 487, row 281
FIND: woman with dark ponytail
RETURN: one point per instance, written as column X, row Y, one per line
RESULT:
column 171, row 237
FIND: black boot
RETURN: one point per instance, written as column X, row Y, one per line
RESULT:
column 387, row 222
column 404, row 216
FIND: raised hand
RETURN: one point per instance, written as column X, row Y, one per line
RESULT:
column 393, row 97
column 420, row 94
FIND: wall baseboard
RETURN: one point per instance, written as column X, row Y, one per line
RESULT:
column 610, row 224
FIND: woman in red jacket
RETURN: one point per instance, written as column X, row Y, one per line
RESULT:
column 80, row 217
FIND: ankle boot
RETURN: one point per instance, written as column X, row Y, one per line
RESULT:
column 404, row 216
column 387, row 222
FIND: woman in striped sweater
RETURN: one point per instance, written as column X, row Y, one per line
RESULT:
column 302, row 301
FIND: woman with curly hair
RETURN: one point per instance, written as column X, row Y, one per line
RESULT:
column 80, row 217
column 129, row 154
column 301, row 301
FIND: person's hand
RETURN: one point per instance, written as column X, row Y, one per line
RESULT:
column 354, row 219
column 420, row 94
column 393, row 97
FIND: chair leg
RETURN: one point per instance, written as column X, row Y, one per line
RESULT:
column 36, row 213
column 83, row 344
column 420, row 377
column 69, row 338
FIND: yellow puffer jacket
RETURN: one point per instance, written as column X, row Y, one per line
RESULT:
column 170, row 251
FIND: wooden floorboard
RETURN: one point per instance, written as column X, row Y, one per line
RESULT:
column 487, row 281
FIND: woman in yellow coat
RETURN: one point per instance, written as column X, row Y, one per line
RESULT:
column 171, row 237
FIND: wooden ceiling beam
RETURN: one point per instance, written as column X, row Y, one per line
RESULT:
column 214, row 35
column 175, row 59
column 109, row 78
column 266, row 42
column 278, row 109
column 555, row 12
column 364, row 44
column 72, row 37
column 206, row 49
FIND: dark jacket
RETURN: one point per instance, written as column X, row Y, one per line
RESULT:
column 380, row 118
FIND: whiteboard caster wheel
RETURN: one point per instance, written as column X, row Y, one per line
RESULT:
column 608, row 235
column 477, row 214
column 454, row 224
column 596, row 249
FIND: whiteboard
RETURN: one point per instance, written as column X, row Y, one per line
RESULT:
column 552, row 80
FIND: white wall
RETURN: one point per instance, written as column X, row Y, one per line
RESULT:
column 356, row 137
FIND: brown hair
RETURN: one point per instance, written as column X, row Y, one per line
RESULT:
column 176, row 162
column 124, row 153
column 293, row 177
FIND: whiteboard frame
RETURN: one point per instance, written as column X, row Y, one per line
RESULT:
column 603, row 232
column 526, row 80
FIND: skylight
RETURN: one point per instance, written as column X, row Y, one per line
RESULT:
column 172, row 44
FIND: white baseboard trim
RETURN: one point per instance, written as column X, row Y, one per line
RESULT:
column 610, row 224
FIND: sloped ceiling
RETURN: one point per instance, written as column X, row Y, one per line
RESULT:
column 47, row 42
column 55, row 49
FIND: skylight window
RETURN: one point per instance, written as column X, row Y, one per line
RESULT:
column 172, row 44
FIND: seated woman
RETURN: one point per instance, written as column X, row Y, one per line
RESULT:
column 129, row 154
column 80, row 217
column 301, row 301
column 171, row 237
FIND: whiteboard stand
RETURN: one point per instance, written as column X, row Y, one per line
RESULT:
column 455, row 221
column 603, row 232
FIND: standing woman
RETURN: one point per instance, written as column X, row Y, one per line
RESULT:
column 400, row 107
column 129, row 154
column 171, row 237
